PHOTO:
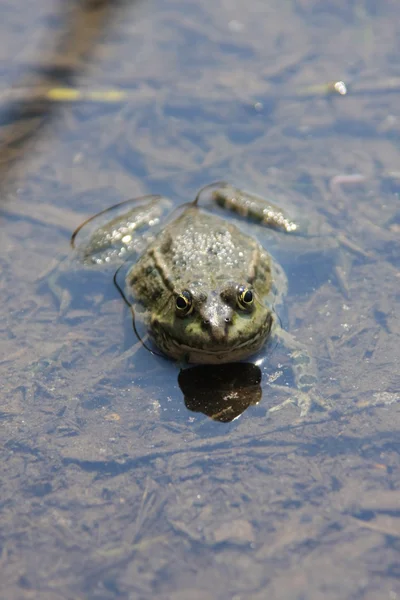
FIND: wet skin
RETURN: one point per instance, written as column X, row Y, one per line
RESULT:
column 208, row 288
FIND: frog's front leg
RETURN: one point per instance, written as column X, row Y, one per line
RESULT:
column 250, row 206
column 304, row 395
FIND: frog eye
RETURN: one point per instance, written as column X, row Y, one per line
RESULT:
column 184, row 303
column 245, row 297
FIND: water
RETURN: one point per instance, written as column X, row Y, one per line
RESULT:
column 111, row 486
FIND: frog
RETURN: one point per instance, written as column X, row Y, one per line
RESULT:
column 208, row 289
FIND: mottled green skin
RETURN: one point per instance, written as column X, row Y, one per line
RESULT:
column 211, row 258
column 208, row 289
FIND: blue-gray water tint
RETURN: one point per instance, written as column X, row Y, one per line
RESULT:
column 111, row 487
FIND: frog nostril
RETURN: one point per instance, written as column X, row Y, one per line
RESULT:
column 228, row 320
column 206, row 322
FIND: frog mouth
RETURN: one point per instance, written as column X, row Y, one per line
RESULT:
column 178, row 349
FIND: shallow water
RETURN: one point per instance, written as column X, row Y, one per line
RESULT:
column 111, row 486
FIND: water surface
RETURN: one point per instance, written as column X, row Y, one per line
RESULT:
column 111, row 486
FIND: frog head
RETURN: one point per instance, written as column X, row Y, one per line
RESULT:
column 224, row 324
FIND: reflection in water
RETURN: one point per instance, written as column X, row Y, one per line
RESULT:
column 221, row 392
column 83, row 22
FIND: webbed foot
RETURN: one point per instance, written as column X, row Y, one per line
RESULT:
column 307, row 401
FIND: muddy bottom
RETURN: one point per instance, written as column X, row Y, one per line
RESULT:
column 121, row 476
